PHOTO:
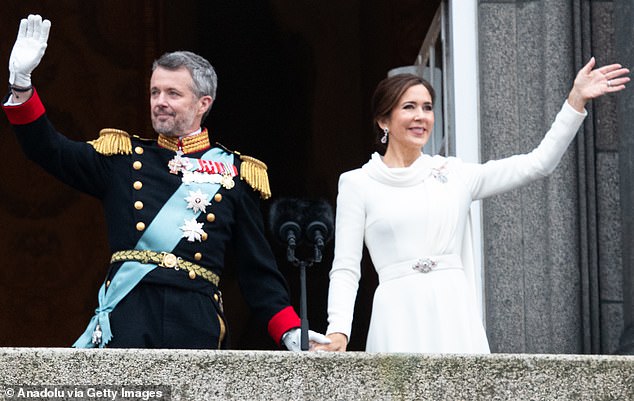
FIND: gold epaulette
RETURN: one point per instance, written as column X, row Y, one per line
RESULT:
column 253, row 171
column 112, row 142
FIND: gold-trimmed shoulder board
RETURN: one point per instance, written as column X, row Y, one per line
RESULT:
column 112, row 141
column 253, row 171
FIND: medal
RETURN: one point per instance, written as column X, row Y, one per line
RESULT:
column 192, row 230
column 197, row 201
column 202, row 171
column 227, row 181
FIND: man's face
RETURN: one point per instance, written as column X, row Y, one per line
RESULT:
column 175, row 110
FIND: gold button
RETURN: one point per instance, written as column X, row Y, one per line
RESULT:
column 107, row 283
column 140, row 226
column 211, row 217
column 216, row 297
column 138, row 205
column 217, row 197
column 138, row 150
column 137, row 185
column 137, row 165
column 192, row 274
column 198, row 256
column 204, row 236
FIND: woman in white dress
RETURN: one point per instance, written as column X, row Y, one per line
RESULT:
column 412, row 211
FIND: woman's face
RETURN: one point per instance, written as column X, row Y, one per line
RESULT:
column 411, row 121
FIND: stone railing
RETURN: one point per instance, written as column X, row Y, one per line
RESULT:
column 268, row 375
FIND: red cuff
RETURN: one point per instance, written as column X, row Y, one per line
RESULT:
column 282, row 322
column 26, row 112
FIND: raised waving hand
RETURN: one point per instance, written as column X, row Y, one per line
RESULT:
column 28, row 50
column 591, row 83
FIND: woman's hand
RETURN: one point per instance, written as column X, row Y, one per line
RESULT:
column 590, row 84
column 338, row 342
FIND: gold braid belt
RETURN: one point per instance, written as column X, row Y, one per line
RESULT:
column 167, row 260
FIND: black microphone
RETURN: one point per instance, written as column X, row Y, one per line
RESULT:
column 319, row 225
column 285, row 222
column 287, row 218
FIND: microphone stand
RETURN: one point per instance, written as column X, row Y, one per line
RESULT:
column 303, row 304
column 316, row 232
column 303, row 307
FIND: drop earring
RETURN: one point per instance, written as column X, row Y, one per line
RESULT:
column 384, row 137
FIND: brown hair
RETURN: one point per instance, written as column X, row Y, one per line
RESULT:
column 386, row 97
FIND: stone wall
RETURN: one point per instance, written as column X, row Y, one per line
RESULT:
column 276, row 375
column 553, row 248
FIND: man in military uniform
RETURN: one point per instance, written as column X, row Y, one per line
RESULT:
column 172, row 206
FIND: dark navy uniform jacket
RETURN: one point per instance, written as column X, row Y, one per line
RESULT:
column 133, row 188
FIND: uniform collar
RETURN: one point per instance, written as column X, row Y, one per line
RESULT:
column 187, row 144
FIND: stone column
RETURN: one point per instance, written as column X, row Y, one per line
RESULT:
column 531, row 235
column 624, row 37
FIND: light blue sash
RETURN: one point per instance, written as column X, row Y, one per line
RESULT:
column 162, row 235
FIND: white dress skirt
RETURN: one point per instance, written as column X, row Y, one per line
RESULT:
column 415, row 218
column 426, row 312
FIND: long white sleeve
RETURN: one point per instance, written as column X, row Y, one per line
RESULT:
column 346, row 268
column 498, row 176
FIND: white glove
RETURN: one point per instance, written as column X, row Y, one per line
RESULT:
column 28, row 50
column 292, row 339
